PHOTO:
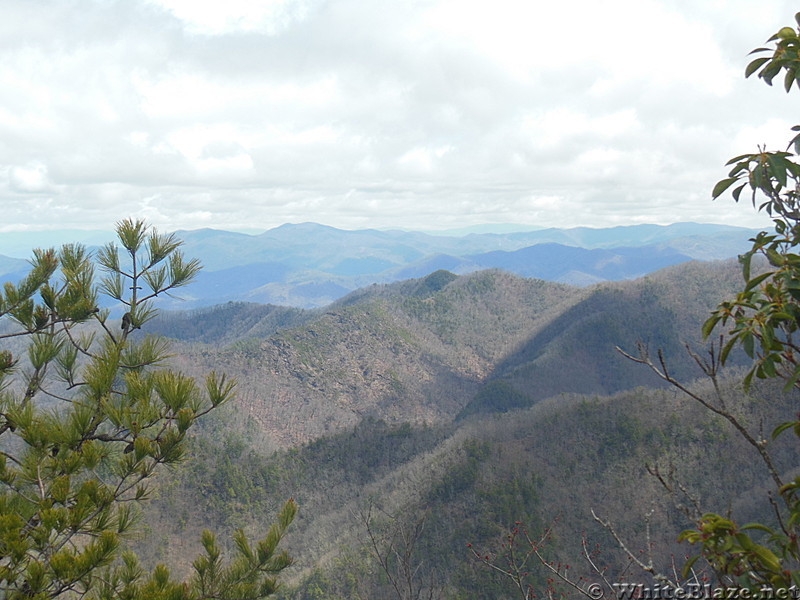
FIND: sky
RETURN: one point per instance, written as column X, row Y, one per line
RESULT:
column 417, row 114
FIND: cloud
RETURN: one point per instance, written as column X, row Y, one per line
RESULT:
column 248, row 114
column 209, row 17
column 30, row 178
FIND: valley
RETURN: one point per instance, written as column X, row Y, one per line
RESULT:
column 470, row 402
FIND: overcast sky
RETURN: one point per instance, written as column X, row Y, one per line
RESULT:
column 427, row 114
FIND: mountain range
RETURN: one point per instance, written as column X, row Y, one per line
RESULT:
column 473, row 401
column 429, row 349
column 456, row 386
column 310, row 265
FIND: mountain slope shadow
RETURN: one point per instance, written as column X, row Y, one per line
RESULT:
column 576, row 352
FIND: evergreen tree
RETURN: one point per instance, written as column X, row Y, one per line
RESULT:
column 88, row 414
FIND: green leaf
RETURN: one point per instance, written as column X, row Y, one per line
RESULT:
column 792, row 381
column 748, row 380
column 768, row 368
column 789, row 79
column 131, row 234
column 757, row 280
column 774, row 257
column 781, row 428
column 770, row 71
column 739, row 158
column 757, row 526
column 687, row 567
column 748, row 343
column 745, row 260
column 744, row 541
column 722, row 186
column 768, row 558
column 709, row 325
column 755, row 65
column 778, row 167
column 726, row 350
column 242, row 544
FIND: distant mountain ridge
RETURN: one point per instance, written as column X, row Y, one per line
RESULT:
column 321, row 263
column 309, row 265
column 581, row 266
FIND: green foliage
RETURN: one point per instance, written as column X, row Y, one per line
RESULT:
column 434, row 282
column 86, row 419
column 765, row 313
column 221, row 324
column 496, row 396
column 763, row 320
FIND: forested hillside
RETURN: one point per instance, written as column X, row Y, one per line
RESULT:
column 547, row 465
column 467, row 402
column 407, row 352
column 423, row 351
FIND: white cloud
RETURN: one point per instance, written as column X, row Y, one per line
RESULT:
column 619, row 39
column 772, row 134
column 211, row 17
column 360, row 113
column 562, row 124
column 422, row 160
column 29, row 178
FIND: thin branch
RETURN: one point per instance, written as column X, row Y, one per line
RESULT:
column 663, row 373
column 75, row 344
column 692, row 515
column 648, row 568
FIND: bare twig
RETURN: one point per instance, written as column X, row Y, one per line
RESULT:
column 662, row 372
column 646, row 567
